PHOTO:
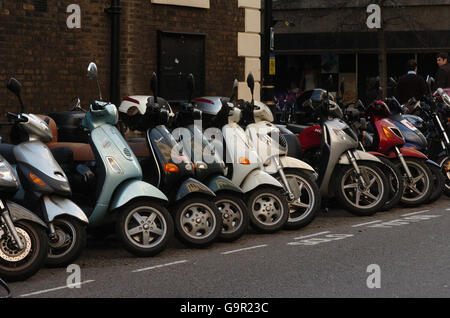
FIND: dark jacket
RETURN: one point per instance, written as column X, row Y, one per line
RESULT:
column 409, row 86
column 443, row 76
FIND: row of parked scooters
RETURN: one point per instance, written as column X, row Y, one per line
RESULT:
column 204, row 172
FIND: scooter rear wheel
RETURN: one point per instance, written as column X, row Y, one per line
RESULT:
column 145, row 228
column 19, row 265
column 198, row 222
column 269, row 209
column 235, row 217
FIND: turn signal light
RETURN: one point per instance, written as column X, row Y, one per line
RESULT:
column 170, row 167
column 244, row 161
column 37, row 180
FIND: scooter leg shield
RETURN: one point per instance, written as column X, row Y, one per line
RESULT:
column 220, row 183
column 56, row 206
column 193, row 186
column 359, row 156
column 133, row 189
column 257, row 178
column 18, row 213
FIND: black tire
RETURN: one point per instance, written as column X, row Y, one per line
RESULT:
column 438, row 183
column 345, row 196
column 207, row 226
column 35, row 258
column 418, row 166
column 72, row 237
column 445, row 166
column 235, row 219
column 300, row 217
column 133, row 228
column 278, row 202
column 395, row 182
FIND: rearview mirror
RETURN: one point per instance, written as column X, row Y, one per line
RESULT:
column 92, row 72
column 191, row 86
column 234, row 92
column 251, row 83
column 154, row 86
column 14, row 86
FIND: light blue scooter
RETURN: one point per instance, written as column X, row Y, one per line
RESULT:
column 115, row 188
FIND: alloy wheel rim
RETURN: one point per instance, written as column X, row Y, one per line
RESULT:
column 12, row 254
column 145, row 227
column 355, row 194
column 267, row 209
column 306, row 193
column 416, row 188
column 232, row 216
column 198, row 221
column 66, row 238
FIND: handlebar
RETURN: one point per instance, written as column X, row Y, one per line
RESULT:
column 16, row 117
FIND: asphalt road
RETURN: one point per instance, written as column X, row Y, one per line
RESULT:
column 329, row 258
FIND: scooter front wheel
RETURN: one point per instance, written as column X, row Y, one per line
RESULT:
column 438, row 183
column 269, row 209
column 304, row 208
column 145, row 228
column 68, row 242
column 235, row 217
column 418, row 188
column 198, row 222
column 17, row 265
column 359, row 199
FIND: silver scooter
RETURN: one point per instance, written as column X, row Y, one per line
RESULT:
column 46, row 185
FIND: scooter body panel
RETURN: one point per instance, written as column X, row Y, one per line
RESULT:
column 257, row 178
column 191, row 186
column 56, row 206
column 18, row 213
column 115, row 156
column 133, row 189
column 220, row 183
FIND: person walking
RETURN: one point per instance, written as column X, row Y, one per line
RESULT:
column 443, row 74
column 411, row 85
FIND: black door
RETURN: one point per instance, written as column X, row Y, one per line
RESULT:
column 180, row 54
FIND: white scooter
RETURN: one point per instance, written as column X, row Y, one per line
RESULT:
column 297, row 177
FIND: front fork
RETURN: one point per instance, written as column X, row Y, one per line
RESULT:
column 6, row 218
column 283, row 178
column 356, row 167
column 403, row 162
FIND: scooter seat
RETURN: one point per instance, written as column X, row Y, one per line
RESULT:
column 62, row 155
column 297, row 129
column 81, row 152
column 140, row 147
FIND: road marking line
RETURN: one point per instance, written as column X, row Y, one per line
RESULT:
column 447, row 209
column 416, row 213
column 243, row 249
column 367, row 223
column 306, row 236
column 57, row 288
column 158, row 266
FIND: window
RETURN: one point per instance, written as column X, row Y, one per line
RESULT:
column 185, row 3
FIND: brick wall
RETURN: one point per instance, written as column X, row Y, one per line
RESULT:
column 50, row 60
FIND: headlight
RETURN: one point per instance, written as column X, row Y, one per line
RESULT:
column 8, row 175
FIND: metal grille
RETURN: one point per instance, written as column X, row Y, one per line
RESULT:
column 127, row 152
column 40, row 5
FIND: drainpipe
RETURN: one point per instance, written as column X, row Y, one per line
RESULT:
column 115, row 11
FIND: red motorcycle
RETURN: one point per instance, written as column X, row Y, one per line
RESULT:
column 388, row 143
